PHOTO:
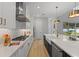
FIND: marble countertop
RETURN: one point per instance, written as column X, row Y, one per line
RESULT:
column 70, row 47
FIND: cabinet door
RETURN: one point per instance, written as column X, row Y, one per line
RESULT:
column 25, row 49
column 0, row 9
column 21, row 51
column 15, row 54
column 1, row 14
column 28, row 45
column 29, row 42
column 9, row 14
column 56, row 52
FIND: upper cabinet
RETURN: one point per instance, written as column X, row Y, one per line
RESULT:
column 21, row 12
column 13, row 15
column 7, row 15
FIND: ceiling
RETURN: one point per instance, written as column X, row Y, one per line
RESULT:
column 48, row 9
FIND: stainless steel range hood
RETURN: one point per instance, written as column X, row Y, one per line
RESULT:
column 22, row 18
column 20, row 12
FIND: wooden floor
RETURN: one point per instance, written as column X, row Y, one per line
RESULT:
column 38, row 49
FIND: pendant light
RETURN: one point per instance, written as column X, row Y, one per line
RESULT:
column 57, row 21
column 75, row 12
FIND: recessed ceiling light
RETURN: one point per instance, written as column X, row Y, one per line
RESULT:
column 38, row 6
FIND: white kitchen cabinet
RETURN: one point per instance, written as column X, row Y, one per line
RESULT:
column 27, row 46
column 21, row 51
column 24, row 49
column 0, row 14
column 18, row 53
column 0, row 9
column 30, row 43
column 8, row 14
column 15, row 54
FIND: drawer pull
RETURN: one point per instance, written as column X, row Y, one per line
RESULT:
column 4, row 21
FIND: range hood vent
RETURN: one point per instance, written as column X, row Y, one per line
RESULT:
column 20, row 12
column 22, row 18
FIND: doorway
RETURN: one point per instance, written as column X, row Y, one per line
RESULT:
column 38, row 29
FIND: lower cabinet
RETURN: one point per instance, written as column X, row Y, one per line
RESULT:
column 53, row 49
column 24, row 49
column 14, row 54
column 48, row 47
column 57, row 52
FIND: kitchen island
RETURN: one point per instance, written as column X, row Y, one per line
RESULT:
column 64, row 44
column 20, row 50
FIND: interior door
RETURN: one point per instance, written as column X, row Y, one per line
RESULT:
column 38, row 29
